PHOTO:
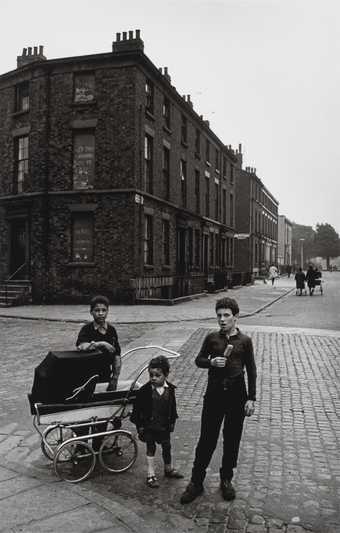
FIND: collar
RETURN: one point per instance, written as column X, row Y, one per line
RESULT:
column 234, row 334
column 165, row 386
column 98, row 327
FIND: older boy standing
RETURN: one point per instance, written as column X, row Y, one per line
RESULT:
column 225, row 353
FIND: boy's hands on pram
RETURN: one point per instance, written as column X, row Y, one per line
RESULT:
column 141, row 434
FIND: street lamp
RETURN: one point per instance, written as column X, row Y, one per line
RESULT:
column 301, row 243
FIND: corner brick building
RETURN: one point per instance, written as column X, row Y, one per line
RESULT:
column 110, row 182
column 256, row 224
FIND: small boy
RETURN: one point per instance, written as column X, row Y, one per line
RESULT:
column 154, row 414
column 100, row 335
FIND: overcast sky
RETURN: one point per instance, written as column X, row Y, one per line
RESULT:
column 264, row 72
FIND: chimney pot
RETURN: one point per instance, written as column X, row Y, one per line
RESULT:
column 29, row 49
column 165, row 70
column 24, row 51
column 118, row 37
column 124, row 35
column 160, row 70
column 130, row 34
column 35, row 50
column 240, row 148
column 41, row 50
column 137, row 34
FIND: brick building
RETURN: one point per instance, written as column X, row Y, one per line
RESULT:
column 110, row 182
column 284, row 245
column 256, row 225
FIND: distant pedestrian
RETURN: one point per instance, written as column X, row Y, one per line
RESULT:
column 310, row 278
column 289, row 270
column 300, row 279
column 273, row 273
column 154, row 414
column 225, row 353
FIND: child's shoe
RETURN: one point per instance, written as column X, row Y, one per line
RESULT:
column 152, row 482
column 173, row 473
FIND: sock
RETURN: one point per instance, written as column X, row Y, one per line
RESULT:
column 151, row 465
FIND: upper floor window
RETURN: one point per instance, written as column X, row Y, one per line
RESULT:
column 148, row 240
column 21, row 162
column 216, row 201
column 207, row 151
column 224, row 168
column 224, row 206
column 84, row 88
column 166, row 112
column 198, row 142
column 184, row 129
column 83, row 160
column 197, row 190
column 183, row 174
column 217, row 160
column 22, row 96
column 166, row 241
column 207, row 196
column 82, row 237
column 148, row 163
column 232, row 174
column 231, row 210
column 166, row 172
column 149, row 93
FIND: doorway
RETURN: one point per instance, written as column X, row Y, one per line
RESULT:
column 19, row 249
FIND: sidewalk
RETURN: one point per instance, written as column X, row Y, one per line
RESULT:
column 251, row 299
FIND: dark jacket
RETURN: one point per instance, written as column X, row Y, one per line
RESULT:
column 142, row 407
column 310, row 277
column 241, row 357
column 300, row 280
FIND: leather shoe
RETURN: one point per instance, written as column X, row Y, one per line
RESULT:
column 173, row 473
column 191, row 492
column 228, row 491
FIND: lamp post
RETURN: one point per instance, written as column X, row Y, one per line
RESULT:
column 301, row 252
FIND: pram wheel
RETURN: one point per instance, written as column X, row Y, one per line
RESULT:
column 53, row 436
column 74, row 461
column 118, row 451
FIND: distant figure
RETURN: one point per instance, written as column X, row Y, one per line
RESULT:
column 289, row 270
column 273, row 273
column 310, row 278
column 300, row 279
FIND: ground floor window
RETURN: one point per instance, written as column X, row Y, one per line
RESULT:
column 148, row 240
column 82, row 238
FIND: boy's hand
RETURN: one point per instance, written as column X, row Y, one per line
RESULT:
column 249, row 407
column 218, row 362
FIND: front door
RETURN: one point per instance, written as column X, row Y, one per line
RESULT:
column 19, row 249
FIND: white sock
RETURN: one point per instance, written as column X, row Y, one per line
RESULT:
column 151, row 465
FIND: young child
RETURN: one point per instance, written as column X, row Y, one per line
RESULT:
column 154, row 414
column 100, row 335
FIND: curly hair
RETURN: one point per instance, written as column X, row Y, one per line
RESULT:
column 99, row 299
column 161, row 362
column 227, row 303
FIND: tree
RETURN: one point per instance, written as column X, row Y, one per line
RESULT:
column 326, row 242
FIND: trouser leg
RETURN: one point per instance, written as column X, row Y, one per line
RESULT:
column 166, row 451
column 232, row 432
column 212, row 416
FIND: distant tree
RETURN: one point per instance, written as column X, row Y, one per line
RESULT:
column 307, row 235
column 326, row 242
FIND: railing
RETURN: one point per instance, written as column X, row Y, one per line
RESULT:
column 16, row 272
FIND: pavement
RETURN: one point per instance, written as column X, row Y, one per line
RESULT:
column 288, row 478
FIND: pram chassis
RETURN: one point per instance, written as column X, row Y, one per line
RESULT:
column 73, row 456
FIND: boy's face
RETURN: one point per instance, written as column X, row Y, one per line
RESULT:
column 226, row 320
column 99, row 313
column 157, row 377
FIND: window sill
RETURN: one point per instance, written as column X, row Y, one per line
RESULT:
column 82, row 104
column 208, row 163
column 168, row 130
column 20, row 112
column 149, row 115
column 81, row 264
column 149, row 267
column 166, row 267
column 217, row 171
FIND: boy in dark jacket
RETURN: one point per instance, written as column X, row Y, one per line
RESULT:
column 154, row 414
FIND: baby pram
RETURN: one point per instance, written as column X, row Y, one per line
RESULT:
column 69, row 414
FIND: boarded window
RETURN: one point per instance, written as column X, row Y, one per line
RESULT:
column 22, row 96
column 82, row 238
column 83, row 161
column 84, row 88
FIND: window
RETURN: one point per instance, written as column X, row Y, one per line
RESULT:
column 166, row 241
column 22, row 96
column 216, row 201
column 197, row 247
column 82, row 238
column 224, row 167
column 184, row 129
column 207, row 151
column 21, row 162
column 166, row 112
column 166, row 172
column 148, row 240
column 183, row 175
column 232, row 175
column 217, row 160
column 223, row 252
column 198, row 143
column 197, row 190
column 207, row 197
column 149, row 93
column 84, row 88
column 224, row 206
column 191, row 246
column 83, row 160
column 231, row 209
column 148, row 163
column 211, row 249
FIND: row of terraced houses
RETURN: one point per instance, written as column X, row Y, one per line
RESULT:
column 110, row 182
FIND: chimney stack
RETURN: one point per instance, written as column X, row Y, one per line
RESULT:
column 27, row 57
column 128, row 42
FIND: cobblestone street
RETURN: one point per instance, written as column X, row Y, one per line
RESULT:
column 289, row 468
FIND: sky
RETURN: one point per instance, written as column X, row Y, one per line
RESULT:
column 265, row 73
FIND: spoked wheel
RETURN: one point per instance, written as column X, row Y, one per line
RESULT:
column 53, row 436
column 118, row 451
column 74, row 461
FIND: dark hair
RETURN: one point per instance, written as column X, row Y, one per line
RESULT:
column 227, row 303
column 99, row 299
column 161, row 362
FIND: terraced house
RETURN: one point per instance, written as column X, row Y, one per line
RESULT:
column 110, row 181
